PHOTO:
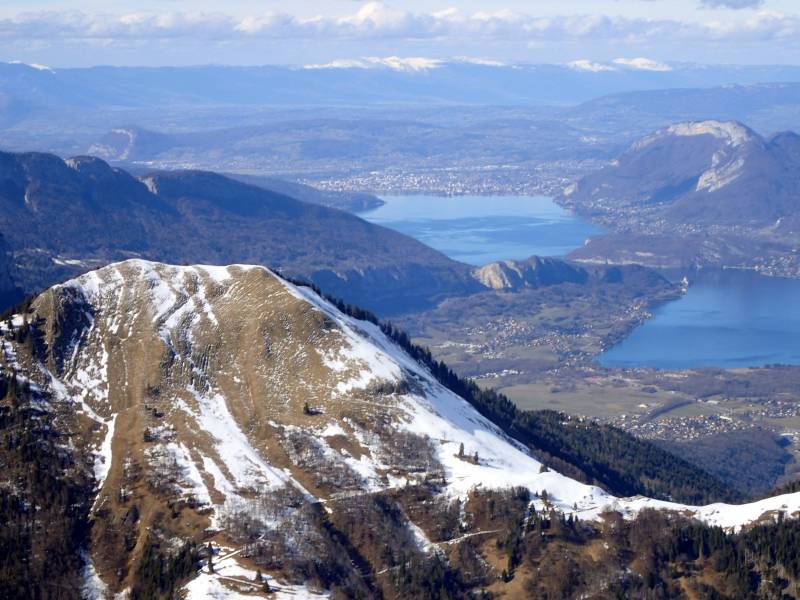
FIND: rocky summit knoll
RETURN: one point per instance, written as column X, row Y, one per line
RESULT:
column 538, row 271
column 706, row 193
column 218, row 431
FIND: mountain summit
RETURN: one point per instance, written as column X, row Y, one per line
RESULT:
column 226, row 405
column 701, row 193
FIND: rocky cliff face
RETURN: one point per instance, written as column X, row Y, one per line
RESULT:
column 534, row 272
column 537, row 272
column 226, row 406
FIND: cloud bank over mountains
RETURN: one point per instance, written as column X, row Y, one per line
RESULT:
column 376, row 19
column 378, row 23
column 736, row 4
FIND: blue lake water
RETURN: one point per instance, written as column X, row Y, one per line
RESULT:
column 481, row 229
column 728, row 319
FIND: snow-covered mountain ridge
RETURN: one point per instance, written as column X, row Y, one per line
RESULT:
column 243, row 398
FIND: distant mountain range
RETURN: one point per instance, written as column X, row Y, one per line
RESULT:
column 705, row 193
column 382, row 125
column 28, row 89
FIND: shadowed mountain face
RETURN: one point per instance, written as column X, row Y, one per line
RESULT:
column 60, row 217
column 707, row 193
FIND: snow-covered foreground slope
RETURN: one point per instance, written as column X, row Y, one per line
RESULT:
column 441, row 415
column 232, row 392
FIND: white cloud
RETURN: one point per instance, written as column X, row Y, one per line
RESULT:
column 377, row 21
column 736, row 4
column 763, row 26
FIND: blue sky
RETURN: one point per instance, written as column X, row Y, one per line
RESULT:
column 146, row 32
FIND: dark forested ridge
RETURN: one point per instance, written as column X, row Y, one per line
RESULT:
column 750, row 460
column 9, row 292
column 61, row 217
column 44, row 508
column 655, row 556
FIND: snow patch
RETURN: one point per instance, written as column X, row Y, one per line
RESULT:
column 93, row 587
column 232, row 581
column 103, row 457
column 331, row 430
column 246, row 466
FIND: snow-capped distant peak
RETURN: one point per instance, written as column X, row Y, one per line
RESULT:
column 341, row 63
column 619, row 64
column 642, row 64
column 395, row 63
column 484, row 62
column 36, row 66
column 590, row 66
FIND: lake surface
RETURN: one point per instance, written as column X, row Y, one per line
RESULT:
column 727, row 319
column 482, row 229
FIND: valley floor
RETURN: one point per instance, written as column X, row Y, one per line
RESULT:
column 539, row 347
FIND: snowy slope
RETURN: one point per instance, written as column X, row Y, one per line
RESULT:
column 203, row 376
column 442, row 415
column 362, row 356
